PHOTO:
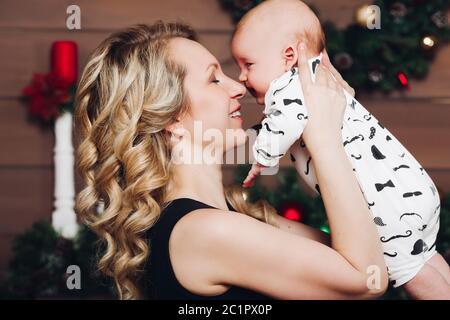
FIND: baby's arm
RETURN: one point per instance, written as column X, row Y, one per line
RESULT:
column 252, row 174
column 286, row 118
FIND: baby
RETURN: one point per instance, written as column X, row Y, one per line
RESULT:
column 400, row 194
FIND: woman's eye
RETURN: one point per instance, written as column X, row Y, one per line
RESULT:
column 248, row 64
column 215, row 80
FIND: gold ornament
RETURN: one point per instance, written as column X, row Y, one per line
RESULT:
column 362, row 15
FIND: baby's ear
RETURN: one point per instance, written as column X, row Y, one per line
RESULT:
column 290, row 57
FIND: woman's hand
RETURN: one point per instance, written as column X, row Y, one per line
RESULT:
column 326, row 62
column 325, row 102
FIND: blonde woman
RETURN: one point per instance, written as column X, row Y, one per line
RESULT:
column 171, row 229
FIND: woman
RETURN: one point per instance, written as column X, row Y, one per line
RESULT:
column 170, row 228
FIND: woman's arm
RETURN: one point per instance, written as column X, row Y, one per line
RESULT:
column 302, row 230
column 236, row 249
column 226, row 249
column 353, row 233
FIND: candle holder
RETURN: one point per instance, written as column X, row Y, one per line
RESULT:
column 51, row 99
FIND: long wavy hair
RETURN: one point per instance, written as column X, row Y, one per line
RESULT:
column 130, row 90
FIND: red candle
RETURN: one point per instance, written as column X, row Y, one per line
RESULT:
column 64, row 60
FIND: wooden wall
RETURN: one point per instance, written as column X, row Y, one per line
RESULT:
column 419, row 118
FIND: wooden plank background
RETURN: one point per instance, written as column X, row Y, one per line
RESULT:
column 420, row 118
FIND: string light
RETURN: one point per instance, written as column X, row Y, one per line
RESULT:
column 428, row 42
column 403, row 79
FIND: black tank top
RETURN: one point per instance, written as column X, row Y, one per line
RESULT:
column 160, row 280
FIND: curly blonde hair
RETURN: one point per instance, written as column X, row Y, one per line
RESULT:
column 130, row 90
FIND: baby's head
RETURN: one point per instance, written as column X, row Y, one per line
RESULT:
column 265, row 42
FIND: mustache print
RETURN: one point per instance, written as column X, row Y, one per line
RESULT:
column 356, row 157
column 388, row 138
column 401, row 166
column 301, row 116
column 381, row 186
column 423, row 227
column 274, row 131
column 371, row 204
column 372, row 132
column 379, row 222
column 257, row 127
column 402, row 155
column 410, row 214
column 268, row 155
column 410, row 194
column 368, row 116
column 276, row 91
column 352, row 104
column 287, row 102
column 307, row 165
column 293, row 72
column 377, row 153
column 390, row 254
column 408, row 234
column 315, row 64
column 359, row 136
column 354, row 120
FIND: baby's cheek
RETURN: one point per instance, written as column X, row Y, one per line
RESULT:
column 260, row 83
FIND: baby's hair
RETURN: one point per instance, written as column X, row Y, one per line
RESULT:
column 314, row 39
column 309, row 31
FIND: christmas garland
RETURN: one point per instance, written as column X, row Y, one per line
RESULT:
column 386, row 58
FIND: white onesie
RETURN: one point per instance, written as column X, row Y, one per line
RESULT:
column 400, row 194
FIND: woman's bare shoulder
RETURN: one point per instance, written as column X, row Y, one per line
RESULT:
column 188, row 245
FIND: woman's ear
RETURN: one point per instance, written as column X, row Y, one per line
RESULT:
column 290, row 57
column 175, row 129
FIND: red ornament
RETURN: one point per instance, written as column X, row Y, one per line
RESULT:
column 64, row 61
column 292, row 211
column 403, row 79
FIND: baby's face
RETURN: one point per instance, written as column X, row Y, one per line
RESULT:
column 260, row 59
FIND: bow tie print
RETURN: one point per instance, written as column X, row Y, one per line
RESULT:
column 381, row 186
column 289, row 101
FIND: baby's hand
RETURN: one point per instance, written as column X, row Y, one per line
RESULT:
column 252, row 174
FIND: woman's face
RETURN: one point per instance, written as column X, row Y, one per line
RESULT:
column 213, row 97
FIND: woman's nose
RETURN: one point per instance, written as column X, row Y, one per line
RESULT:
column 238, row 90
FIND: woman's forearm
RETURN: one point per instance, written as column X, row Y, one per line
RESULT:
column 353, row 233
